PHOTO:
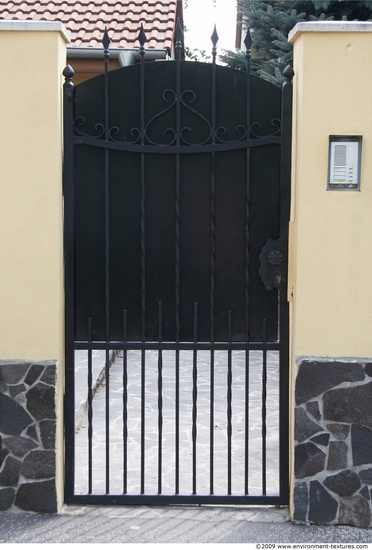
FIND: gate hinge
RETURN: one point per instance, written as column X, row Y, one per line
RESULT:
column 273, row 263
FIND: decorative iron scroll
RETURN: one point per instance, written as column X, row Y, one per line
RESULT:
column 242, row 133
column 175, row 102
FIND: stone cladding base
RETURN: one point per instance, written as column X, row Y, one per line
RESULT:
column 333, row 443
column 27, row 436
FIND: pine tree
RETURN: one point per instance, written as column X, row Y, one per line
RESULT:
column 271, row 21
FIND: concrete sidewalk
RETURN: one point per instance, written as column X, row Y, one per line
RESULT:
column 198, row 524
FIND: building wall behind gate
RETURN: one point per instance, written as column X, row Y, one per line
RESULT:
column 329, row 286
column 33, row 56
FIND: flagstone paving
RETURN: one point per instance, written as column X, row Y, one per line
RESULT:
column 151, row 456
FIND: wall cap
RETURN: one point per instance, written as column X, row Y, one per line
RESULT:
column 329, row 26
column 55, row 26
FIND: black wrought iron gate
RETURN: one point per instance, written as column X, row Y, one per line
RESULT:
column 176, row 186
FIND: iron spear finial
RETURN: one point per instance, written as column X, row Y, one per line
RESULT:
column 106, row 39
column 248, row 40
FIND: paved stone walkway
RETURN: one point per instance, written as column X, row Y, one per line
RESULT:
column 171, row 525
column 168, row 440
column 81, row 380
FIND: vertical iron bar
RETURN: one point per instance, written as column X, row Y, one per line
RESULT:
column 211, row 424
column 177, row 335
column 264, row 395
column 177, row 442
column 90, row 409
column 142, row 40
column 194, row 399
column 286, row 152
column 178, row 47
column 125, row 404
column 69, row 282
column 229, row 402
column 160, row 399
column 285, row 191
column 248, row 43
column 246, row 431
column 106, row 54
column 107, row 373
column 143, row 380
column 214, row 39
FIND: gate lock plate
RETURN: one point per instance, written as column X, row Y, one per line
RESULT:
column 273, row 263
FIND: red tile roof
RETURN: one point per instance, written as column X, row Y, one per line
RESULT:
column 87, row 19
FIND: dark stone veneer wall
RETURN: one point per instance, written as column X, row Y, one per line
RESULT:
column 333, row 443
column 27, row 436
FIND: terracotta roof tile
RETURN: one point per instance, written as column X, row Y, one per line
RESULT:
column 87, row 19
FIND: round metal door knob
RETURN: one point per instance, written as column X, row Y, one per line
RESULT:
column 275, row 257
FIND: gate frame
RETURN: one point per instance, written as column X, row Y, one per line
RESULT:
column 281, row 284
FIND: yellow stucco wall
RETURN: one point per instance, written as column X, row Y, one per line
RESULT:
column 33, row 55
column 31, row 275
column 330, row 252
column 331, row 313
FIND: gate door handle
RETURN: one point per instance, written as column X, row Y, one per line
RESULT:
column 273, row 263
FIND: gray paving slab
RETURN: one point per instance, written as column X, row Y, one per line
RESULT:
column 81, row 380
column 167, row 444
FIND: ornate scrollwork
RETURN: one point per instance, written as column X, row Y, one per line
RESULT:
column 186, row 98
column 171, row 102
column 81, row 121
column 112, row 131
column 198, row 131
column 178, row 135
column 255, row 127
column 240, row 129
column 115, row 130
column 203, row 118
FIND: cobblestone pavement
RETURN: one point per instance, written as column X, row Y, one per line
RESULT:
column 186, row 415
